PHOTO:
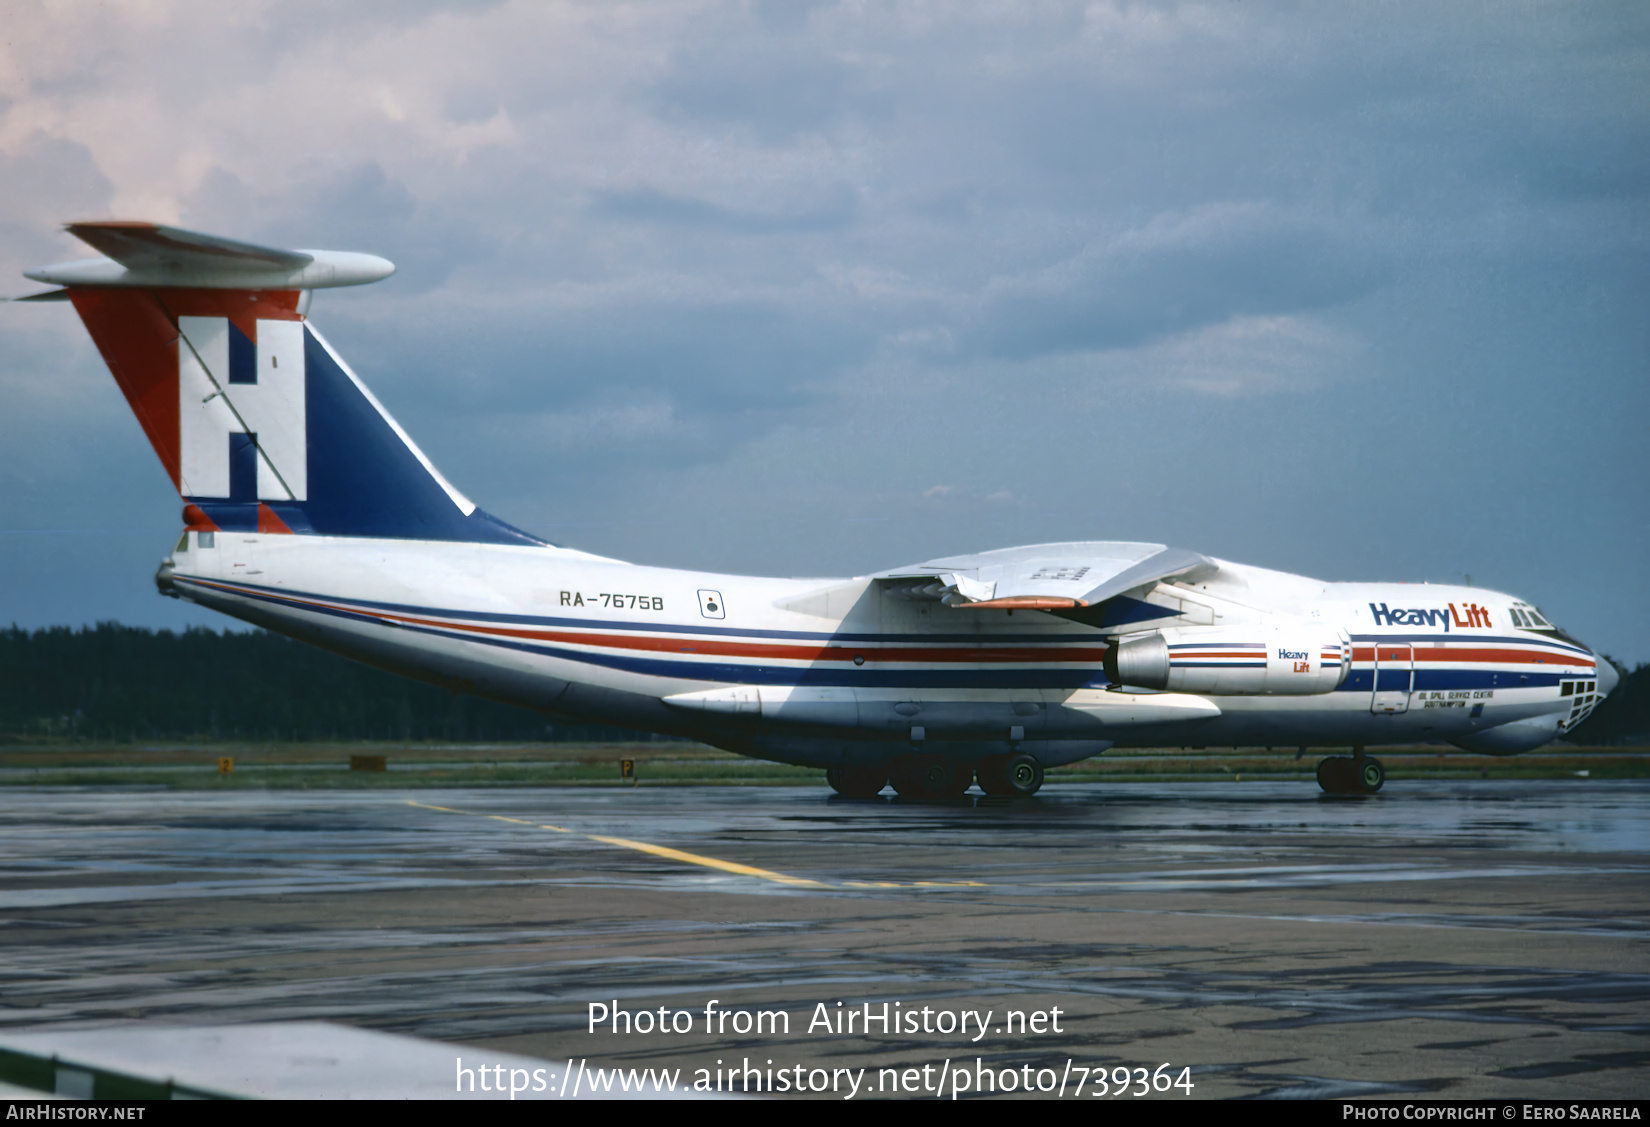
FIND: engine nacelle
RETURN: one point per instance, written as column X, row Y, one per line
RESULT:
column 1260, row 660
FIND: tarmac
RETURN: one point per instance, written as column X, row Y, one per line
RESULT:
column 1456, row 940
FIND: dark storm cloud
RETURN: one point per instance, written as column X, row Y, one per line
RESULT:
column 1202, row 271
column 47, row 181
column 355, row 207
column 775, row 85
column 647, row 205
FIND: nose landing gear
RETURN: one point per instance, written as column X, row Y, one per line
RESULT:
column 1351, row 774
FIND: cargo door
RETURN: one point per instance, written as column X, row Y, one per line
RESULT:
column 1394, row 677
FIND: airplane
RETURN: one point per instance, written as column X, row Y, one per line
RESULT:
column 310, row 512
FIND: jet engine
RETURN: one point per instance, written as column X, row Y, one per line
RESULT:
column 1260, row 660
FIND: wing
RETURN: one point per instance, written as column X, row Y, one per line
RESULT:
column 1044, row 576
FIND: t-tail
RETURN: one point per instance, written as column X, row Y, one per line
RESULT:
column 258, row 421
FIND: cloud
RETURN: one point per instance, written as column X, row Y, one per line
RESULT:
column 1175, row 274
column 774, row 86
column 46, row 181
column 1242, row 356
column 646, row 205
column 354, row 207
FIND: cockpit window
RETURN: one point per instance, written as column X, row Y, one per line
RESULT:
column 1527, row 617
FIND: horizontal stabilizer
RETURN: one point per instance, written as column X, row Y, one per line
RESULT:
column 1045, row 576
column 149, row 254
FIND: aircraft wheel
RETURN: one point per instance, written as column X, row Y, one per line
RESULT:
column 857, row 782
column 1011, row 776
column 1338, row 775
column 1025, row 775
column 927, row 777
column 1369, row 774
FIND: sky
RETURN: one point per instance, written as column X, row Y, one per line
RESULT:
column 1357, row 291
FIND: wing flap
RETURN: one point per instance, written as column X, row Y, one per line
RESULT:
column 1044, row 576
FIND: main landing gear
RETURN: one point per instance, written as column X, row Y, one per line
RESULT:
column 857, row 782
column 1351, row 774
column 1010, row 776
column 930, row 777
column 933, row 778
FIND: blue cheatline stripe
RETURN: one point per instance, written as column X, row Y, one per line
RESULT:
column 1483, row 679
column 1044, row 677
column 667, row 628
column 1442, row 679
column 1392, row 680
column 1216, row 664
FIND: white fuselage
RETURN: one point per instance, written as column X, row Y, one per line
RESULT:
column 831, row 672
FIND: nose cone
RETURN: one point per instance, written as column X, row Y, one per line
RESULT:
column 1608, row 678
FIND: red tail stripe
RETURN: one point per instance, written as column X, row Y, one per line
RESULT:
column 138, row 338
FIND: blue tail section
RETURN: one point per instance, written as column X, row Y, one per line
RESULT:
column 366, row 478
column 362, row 474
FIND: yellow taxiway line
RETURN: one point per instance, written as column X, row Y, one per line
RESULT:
column 709, row 862
column 700, row 859
column 645, row 847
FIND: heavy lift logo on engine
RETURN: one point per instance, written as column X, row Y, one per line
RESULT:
column 1469, row 616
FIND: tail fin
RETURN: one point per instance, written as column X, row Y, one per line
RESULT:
column 259, row 422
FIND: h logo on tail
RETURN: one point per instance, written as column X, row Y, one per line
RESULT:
column 241, row 411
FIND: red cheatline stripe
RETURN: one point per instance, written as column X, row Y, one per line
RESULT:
column 1502, row 656
column 1479, row 655
column 699, row 646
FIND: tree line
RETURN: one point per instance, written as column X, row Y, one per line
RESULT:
column 113, row 682
column 1624, row 716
